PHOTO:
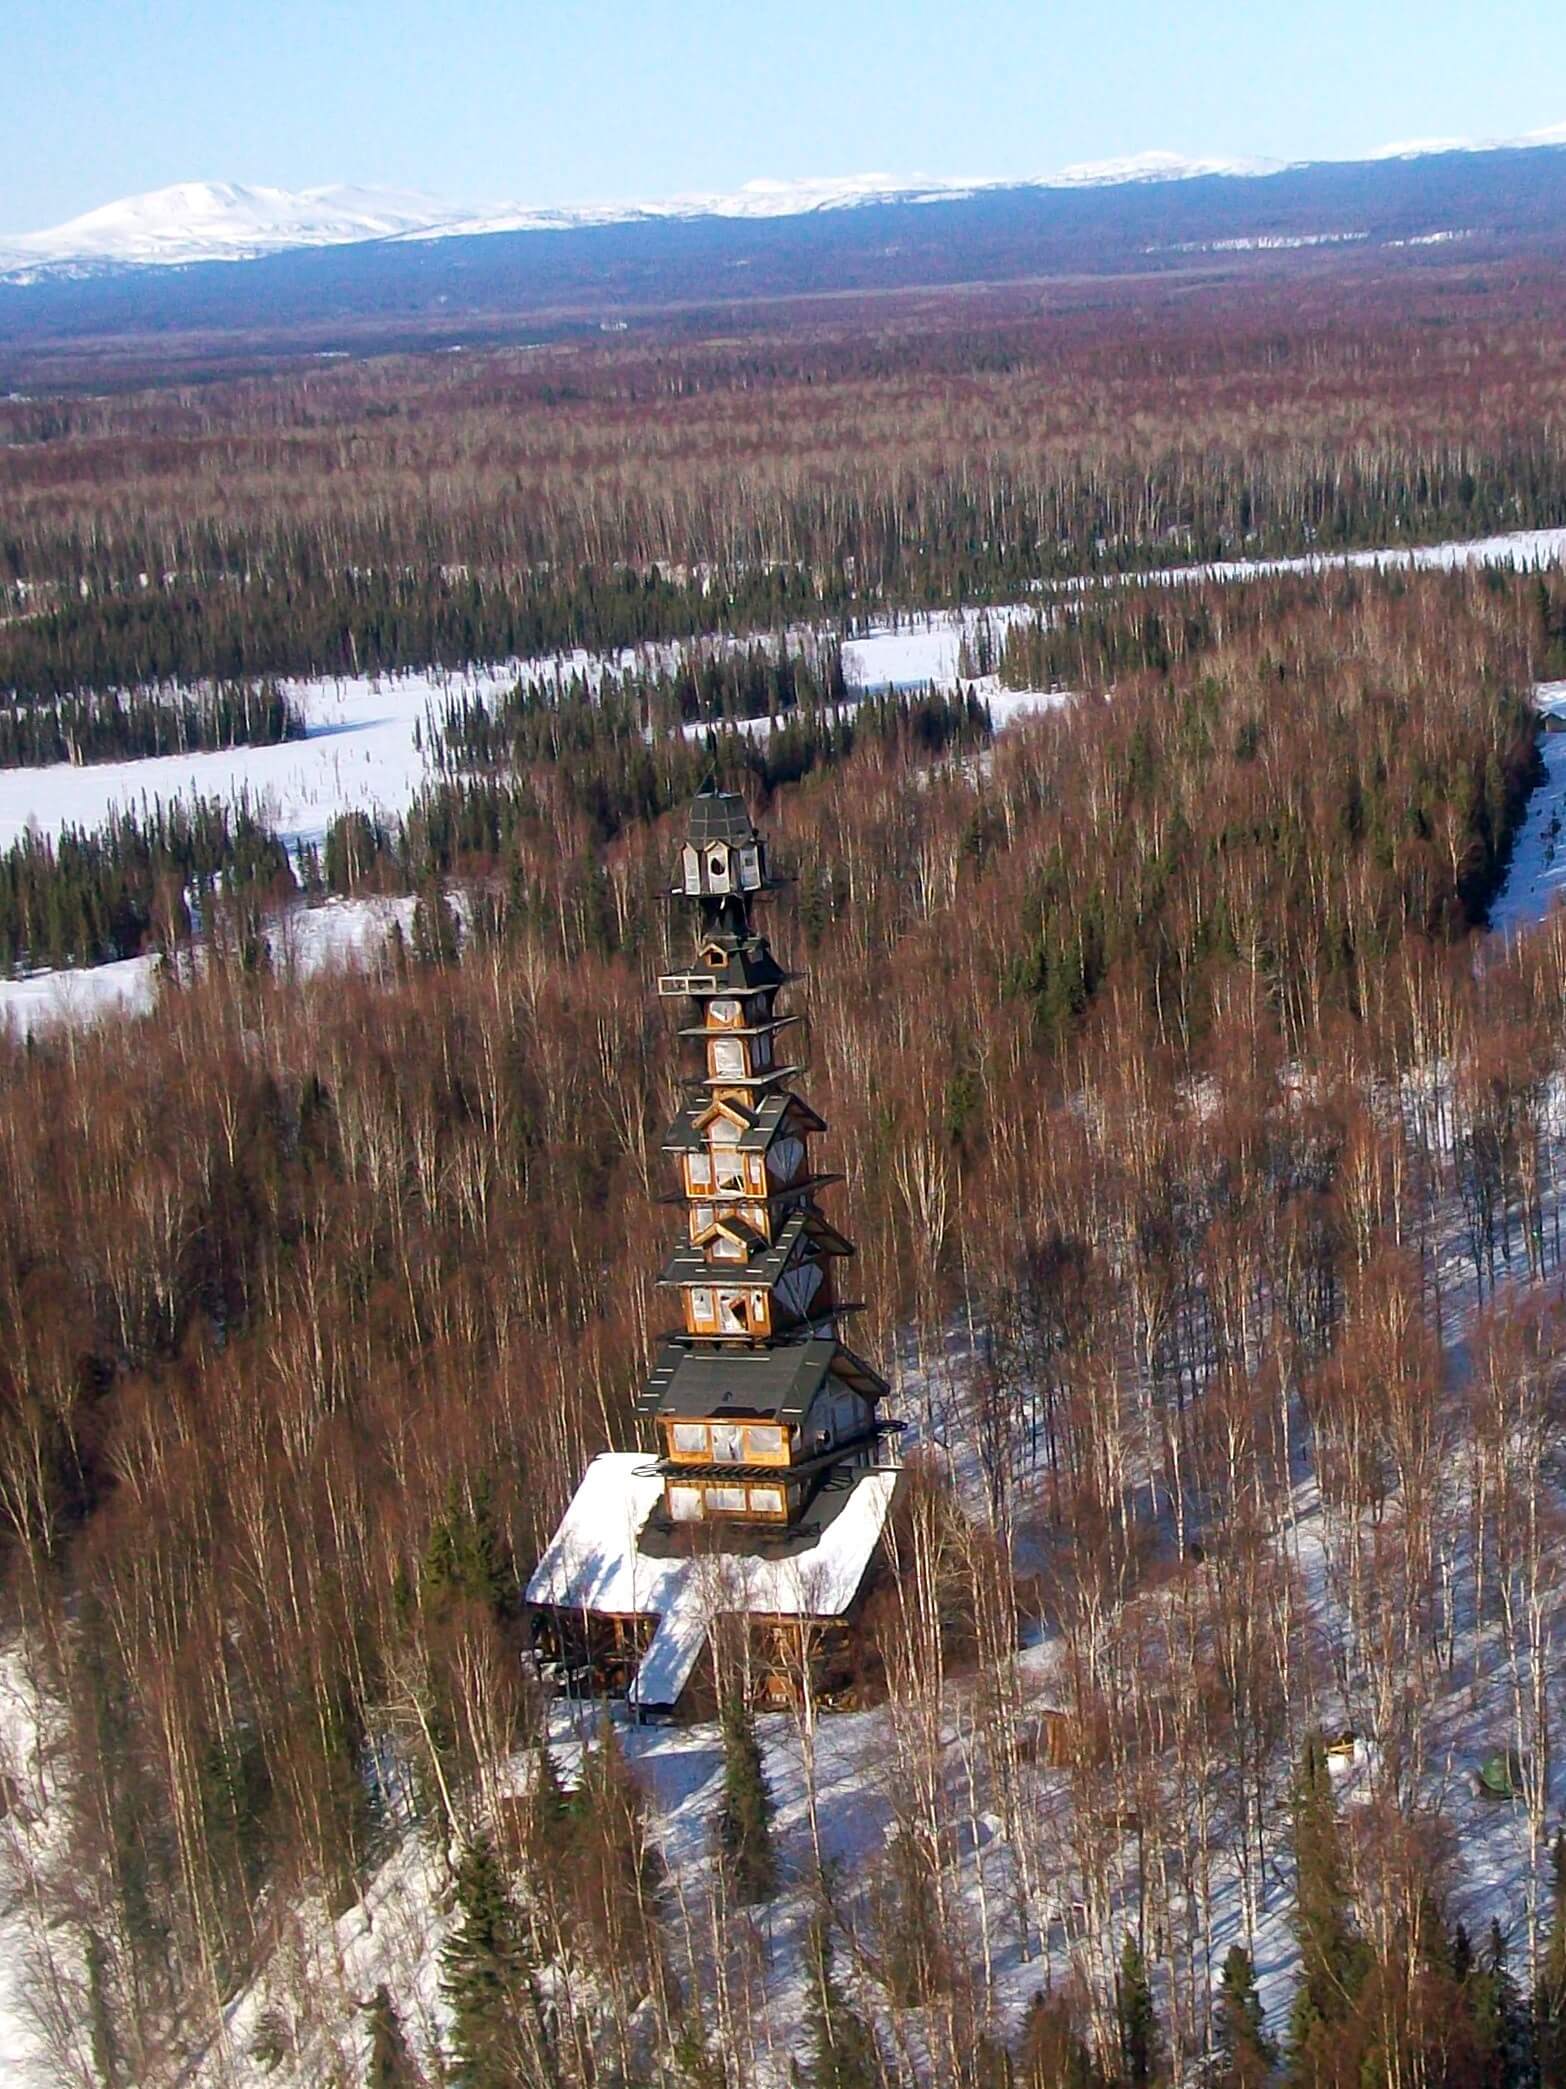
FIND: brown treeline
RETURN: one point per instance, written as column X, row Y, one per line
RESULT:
column 909, row 449
column 1167, row 1084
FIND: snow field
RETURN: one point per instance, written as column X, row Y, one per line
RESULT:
column 363, row 751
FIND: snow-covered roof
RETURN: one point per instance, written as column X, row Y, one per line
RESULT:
column 595, row 1562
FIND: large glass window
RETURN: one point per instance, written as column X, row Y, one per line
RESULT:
column 685, row 1504
column 690, row 1439
column 728, row 1056
column 700, row 1165
column 766, row 1501
column 723, row 1011
column 766, row 1442
column 726, row 1501
column 728, row 1444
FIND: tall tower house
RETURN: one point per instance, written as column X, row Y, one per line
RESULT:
column 766, row 1498
column 758, row 1404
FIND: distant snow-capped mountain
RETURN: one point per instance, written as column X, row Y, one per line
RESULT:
column 217, row 221
column 793, row 199
column 200, row 221
column 228, row 221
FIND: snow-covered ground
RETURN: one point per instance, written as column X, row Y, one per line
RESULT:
column 306, row 939
column 1522, row 550
column 368, row 736
column 363, row 751
column 368, row 741
column 1536, row 874
column 360, row 753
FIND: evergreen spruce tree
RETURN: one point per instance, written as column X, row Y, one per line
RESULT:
column 392, row 2065
column 1245, row 2056
column 1549, row 2007
column 550, row 1804
column 465, row 1554
column 437, row 938
column 913, row 1951
column 1503, row 2032
column 1333, row 1960
column 842, row 2045
column 1462, row 1954
column 1136, row 2017
column 483, row 1973
column 745, row 1815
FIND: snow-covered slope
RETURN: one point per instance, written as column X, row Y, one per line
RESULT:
column 218, row 221
column 226, row 221
column 793, row 199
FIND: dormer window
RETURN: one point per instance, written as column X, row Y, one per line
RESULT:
column 733, row 1313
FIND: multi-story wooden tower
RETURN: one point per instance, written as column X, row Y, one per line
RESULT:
column 766, row 1499
column 758, row 1404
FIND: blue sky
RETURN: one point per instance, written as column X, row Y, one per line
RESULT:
column 601, row 100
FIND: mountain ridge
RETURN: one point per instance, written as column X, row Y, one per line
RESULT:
column 192, row 223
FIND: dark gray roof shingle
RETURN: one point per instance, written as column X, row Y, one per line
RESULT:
column 775, row 1384
column 720, row 816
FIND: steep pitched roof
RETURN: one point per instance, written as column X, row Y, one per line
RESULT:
column 688, row 1265
column 773, row 1115
column 774, row 1385
column 720, row 816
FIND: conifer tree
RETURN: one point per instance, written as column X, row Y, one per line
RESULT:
column 550, row 1804
column 437, row 938
column 1136, row 2017
column 1333, row 1961
column 1245, row 2055
column 1500, row 2018
column 465, row 1554
column 483, row 1973
column 745, row 1815
column 1550, row 2001
column 842, row 2045
column 392, row 2065
column 1462, row 1954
